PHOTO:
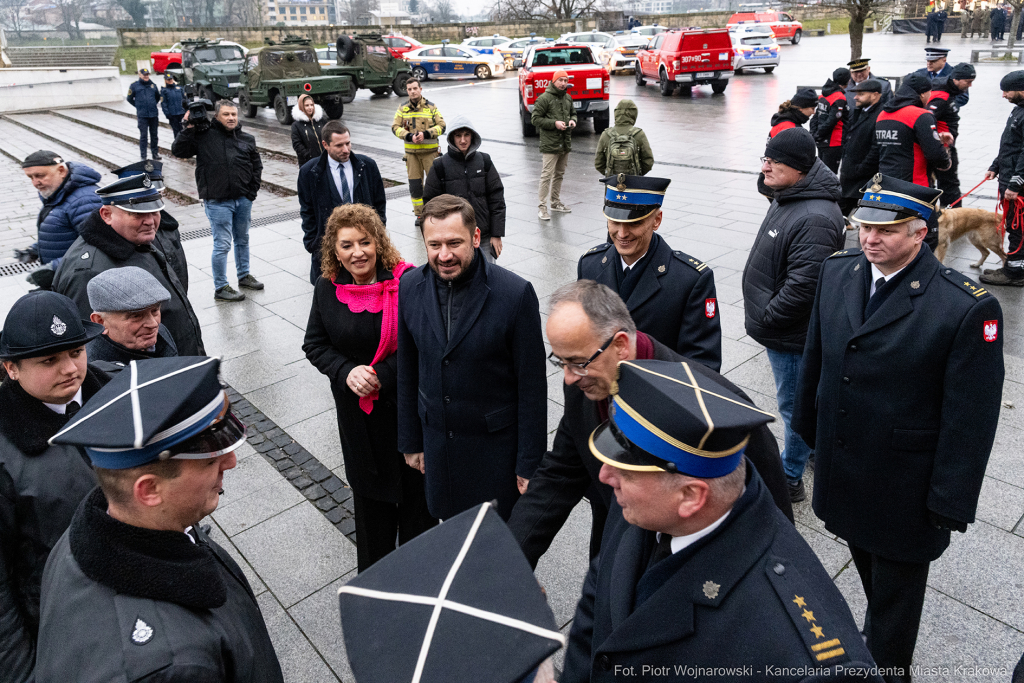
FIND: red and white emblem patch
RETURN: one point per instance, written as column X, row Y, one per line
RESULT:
column 991, row 330
column 709, row 307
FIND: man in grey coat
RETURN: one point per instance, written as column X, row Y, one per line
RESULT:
column 121, row 233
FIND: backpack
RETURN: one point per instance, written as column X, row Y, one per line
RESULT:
column 623, row 153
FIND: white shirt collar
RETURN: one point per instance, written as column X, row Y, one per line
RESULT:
column 876, row 273
column 62, row 408
column 626, row 265
column 680, row 542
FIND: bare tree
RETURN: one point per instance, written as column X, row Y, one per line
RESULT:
column 1011, row 36
column 136, row 9
column 520, row 10
column 10, row 14
column 352, row 10
column 71, row 16
column 443, row 12
column 859, row 12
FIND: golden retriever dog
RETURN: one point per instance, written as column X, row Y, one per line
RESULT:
column 981, row 228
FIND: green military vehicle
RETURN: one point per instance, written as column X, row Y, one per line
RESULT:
column 276, row 74
column 212, row 67
column 368, row 60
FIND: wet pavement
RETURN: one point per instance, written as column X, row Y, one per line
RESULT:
column 293, row 544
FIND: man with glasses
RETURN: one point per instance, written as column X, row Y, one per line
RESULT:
column 591, row 332
column 803, row 226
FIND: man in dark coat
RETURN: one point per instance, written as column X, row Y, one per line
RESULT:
column 172, row 102
column 931, row 27
column 472, row 395
column 670, row 295
column 338, row 176
column 699, row 570
column 860, row 152
column 946, row 110
column 899, row 396
column 121, row 233
column 469, row 173
column 144, row 96
column 802, row 227
column 936, row 69
column 998, row 20
column 1008, row 169
column 583, row 316
column 43, row 350
column 135, row 588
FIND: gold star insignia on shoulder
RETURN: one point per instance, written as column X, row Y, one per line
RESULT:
column 661, row 269
column 916, row 284
column 800, row 602
column 817, row 631
column 808, row 615
column 711, row 590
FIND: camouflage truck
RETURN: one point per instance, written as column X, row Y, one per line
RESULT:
column 212, row 67
column 368, row 60
column 276, row 74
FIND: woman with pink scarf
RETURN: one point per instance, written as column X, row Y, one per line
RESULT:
column 352, row 337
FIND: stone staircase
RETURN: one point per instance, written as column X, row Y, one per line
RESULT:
column 61, row 55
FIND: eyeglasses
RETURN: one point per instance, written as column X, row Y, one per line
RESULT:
column 768, row 160
column 581, row 368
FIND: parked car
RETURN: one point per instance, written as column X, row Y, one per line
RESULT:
column 327, row 56
column 588, row 82
column 687, row 57
column 513, row 50
column 171, row 56
column 755, row 47
column 603, row 44
column 623, row 56
column 453, row 60
column 399, row 44
column 214, row 69
column 782, row 25
column 649, row 31
column 485, row 46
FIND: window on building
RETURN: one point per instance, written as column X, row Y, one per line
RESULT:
column 294, row 11
column 302, row 10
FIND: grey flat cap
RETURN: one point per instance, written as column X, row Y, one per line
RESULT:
column 125, row 289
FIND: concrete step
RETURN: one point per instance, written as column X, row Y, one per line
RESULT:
column 17, row 143
column 63, row 55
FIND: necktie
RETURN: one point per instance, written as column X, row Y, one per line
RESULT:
column 346, row 196
column 878, row 285
column 662, row 550
column 875, row 301
column 71, row 409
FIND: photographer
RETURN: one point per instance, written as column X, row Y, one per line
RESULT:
column 228, row 170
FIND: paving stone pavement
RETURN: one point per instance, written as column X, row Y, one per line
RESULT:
column 287, row 528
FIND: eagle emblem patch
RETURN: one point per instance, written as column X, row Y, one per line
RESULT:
column 710, row 305
column 991, row 330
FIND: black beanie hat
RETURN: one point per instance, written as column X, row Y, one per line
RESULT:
column 1012, row 81
column 963, row 71
column 793, row 147
column 841, row 76
column 804, row 98
column 916, row 82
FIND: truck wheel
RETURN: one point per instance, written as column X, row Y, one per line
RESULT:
column 385, row 90
column 350, row 94
column 769, row 69
column 639, row 75
column 718, row 87
column 247, row 108
column 346, row 49
column 667, row 86
column 483, row 72
column 529, row 130
column 419, row 73
column 334, row 108
column 601, row 120
column 398, row 85
column 282, row 110
column 796, row 37
column 209, row 94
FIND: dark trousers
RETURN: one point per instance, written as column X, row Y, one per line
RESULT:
column 948, row 181
column 150, row 125
column 895, row 592
column 831, row 156
column 175, row 121
column 1014, row 235
column 379, row 523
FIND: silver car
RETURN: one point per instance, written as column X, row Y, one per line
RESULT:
column 755, row 48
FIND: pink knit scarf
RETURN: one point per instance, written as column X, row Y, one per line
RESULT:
column 374, row 298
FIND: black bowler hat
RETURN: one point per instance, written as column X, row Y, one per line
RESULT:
column 156, row 409
column 870, row 85
column 41, row 323
column 888, row 201
column 457, row 603
column 665, row 417
column 629, row 198
column 150, row 167
column 135, row 194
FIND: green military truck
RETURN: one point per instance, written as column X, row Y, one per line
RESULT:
column 368, row 60
column 212, row 67
column 276, row 74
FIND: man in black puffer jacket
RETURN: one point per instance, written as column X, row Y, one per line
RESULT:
column 468, row 173
column 803, row 227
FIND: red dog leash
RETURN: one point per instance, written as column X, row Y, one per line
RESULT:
column 984, row 180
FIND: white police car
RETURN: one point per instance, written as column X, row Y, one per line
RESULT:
column 755, row 47
column 485, row 46
column 433, row 61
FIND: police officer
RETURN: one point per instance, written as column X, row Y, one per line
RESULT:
column 860, row 151
column 936, row 69
column 827, row 124
column 670, row 295
column 135, row 586
column 694, row 547
column 899, row 395
column 944, row 107
column 1008, row 167
column 144, row 96
column 43, row 350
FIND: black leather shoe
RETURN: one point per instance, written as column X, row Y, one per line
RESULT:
column 797, row 494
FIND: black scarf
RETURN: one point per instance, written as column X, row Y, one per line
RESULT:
column 28, row 423
column 158, row 565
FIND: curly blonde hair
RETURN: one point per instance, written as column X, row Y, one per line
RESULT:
column 364, row 219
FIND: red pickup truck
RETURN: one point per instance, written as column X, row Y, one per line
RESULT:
column 687, row 57
column 588, row 82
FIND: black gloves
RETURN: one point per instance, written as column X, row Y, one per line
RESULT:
column 27, row 255
column 942, row 522
column 42, row 277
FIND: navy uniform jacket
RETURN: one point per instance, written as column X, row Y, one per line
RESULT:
column 901, row 409
column 143, row 95
column 750, row 594
column 476, row 404
column 941, row 74
column 674, row 301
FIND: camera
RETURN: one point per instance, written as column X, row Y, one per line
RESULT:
column 197, row 109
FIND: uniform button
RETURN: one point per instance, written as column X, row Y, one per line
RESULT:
column 604, row 663
column 846, row 380
column 839, row 443
column 853, row 347
column 446, row 361
column 451, row 435
column 842, row 413
column 447, row 399
column 779, row 569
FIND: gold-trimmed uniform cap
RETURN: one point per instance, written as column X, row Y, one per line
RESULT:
column 859, row 64
column 664, row 416
column 887, row 201
column 629, row 198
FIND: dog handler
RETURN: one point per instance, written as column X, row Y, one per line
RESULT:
column 1008, row 167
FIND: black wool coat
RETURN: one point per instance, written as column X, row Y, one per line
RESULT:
column 749, row 594
column 900, row 409
column 569, row 469
column 319, row 196
column 860, row 151
column 674, row 301
column 337, row 340
column 103, row 348
column 168, row 241
column 474, row 404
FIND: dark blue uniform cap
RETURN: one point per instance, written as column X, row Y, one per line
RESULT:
column 134, row 193
column 663, row 417
column 154, row 169
column 493, row 625
column 888, row 201
column 42, row 323
column 629, row 198
column 156, row 409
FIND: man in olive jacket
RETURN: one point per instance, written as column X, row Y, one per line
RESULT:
column 554, row 117
column 606, row 161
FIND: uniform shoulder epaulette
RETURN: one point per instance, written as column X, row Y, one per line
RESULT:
column 599, row 248
column 695, row 263
column 965, row 284
column 845, row 252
